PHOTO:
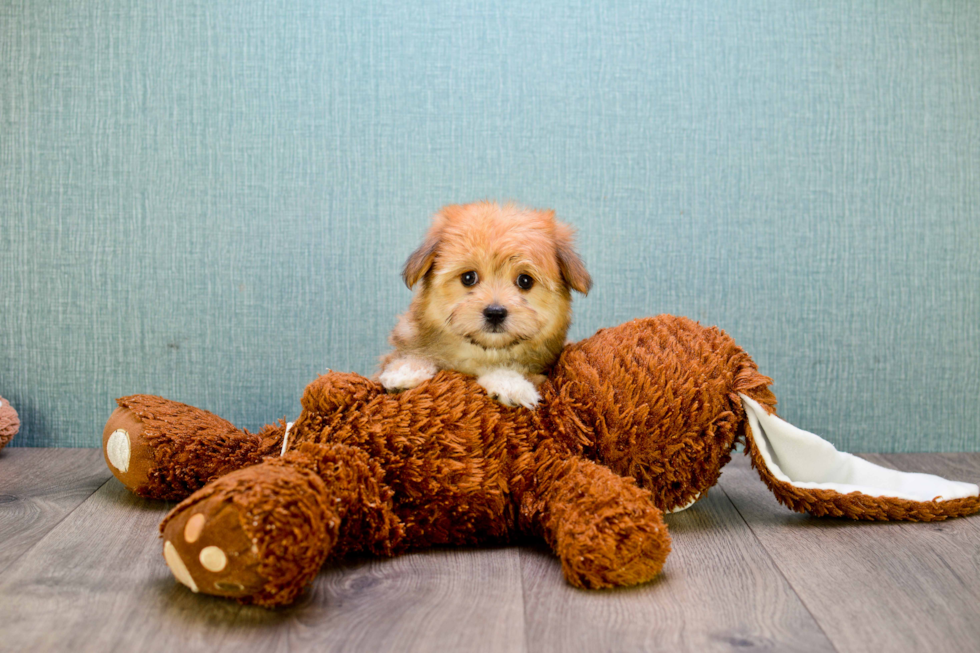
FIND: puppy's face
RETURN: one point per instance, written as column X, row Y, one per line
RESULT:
column 497, row 277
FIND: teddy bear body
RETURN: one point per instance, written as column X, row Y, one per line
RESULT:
column 634, row 420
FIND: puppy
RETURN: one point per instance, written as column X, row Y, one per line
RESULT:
column 492, row 298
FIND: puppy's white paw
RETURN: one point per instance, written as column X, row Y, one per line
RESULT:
column 510, row 388
column 406, row 372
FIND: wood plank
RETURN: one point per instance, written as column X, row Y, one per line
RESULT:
column 439, row 600
column 98, row 582
column 38, row 487
column 872, row 586
column 719, row 591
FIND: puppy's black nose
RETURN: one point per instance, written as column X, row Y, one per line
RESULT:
column 495, row 314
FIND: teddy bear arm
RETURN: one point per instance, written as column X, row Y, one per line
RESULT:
column 162, row 449
column 261, row 534
column 606, row 530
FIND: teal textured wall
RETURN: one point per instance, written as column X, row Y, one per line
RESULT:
column 212, row 200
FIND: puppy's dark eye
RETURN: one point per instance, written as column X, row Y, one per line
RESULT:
column 469, row 278
column 524, row 282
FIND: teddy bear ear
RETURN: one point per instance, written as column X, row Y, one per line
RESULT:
column 571, row 265
column 808, row 474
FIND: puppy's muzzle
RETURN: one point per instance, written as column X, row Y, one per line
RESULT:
column 494, row 316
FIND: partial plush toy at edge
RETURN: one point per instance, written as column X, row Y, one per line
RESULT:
column 636, row 420
column 9, row 423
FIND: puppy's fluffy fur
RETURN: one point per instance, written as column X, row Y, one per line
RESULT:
column 492, row 299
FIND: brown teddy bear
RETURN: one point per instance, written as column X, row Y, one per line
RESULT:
column 636, row 420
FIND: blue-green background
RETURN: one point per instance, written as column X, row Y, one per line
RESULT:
column 212, row 200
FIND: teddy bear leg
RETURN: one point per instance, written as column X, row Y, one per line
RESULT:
column 162, row 449
column 261, row 534
column 606, row 530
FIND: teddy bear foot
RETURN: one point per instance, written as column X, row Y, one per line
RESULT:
column 258, row 534
column 614, row 550
column 606, row 531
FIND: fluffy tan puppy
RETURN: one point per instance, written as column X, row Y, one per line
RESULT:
column 492, row 298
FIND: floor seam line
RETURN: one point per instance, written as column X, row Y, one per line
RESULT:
column 779, row 569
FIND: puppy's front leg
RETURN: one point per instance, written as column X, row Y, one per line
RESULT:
column 406, row 371
column 510, row 388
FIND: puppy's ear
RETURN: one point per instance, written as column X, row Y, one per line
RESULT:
column 422, row 259
column 571, row 266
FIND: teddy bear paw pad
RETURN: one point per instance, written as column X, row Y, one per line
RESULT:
column 177, row 566
column 213, row 559
column 193, row 528
column 118, row 450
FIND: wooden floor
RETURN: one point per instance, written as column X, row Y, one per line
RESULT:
column 81, row 569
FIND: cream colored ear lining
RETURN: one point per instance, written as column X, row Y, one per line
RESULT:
column 285, row 439
column 807, row 461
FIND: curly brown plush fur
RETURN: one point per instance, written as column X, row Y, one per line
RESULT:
column 633, row 421
column 9, row 422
